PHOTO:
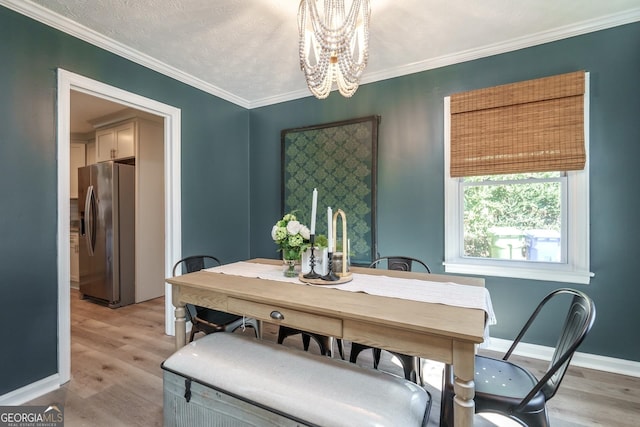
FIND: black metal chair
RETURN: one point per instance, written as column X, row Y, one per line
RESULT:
column 325, row 343
column 400, row 263
column 207, row 320
column 410, row 364
column 508, row 389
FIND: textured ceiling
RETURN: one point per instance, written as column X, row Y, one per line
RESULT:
column 246, row 51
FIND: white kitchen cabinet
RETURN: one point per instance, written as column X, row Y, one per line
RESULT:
column 77, row 160
column 116, row 142
column 75, row 256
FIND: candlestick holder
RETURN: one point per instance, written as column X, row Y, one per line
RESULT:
column 312, row 260
column 330, row 276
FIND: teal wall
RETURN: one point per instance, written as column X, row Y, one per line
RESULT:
column 410, row 180
column 231, row 174
column 215, row 179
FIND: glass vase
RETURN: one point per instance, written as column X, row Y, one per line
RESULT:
column 290, row 268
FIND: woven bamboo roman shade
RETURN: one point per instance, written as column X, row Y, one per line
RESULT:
column 531, row 126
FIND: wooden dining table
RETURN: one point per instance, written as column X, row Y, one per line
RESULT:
column 440, row 332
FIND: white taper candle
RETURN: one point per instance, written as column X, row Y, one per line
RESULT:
column 330, row 228
column 314, row 205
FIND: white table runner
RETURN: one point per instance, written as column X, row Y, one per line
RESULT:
column 447, row 293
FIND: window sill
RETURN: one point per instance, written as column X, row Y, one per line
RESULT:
column 544, row 272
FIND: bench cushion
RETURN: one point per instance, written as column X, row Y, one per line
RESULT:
column 310, row 388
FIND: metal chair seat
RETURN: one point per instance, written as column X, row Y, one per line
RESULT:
column 508, row 389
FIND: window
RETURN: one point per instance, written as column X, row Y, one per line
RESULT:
column 514, row 217
column 528, row 224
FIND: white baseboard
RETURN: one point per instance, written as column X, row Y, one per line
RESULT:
column 583, row 360
column 31, row 391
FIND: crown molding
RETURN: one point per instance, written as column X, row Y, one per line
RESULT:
column 66, row 25
column 556, row 34
column 560, row 33
column 72, row 28
column 289, row 96
column 122, row 115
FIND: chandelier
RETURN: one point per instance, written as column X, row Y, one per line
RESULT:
column 334, row 46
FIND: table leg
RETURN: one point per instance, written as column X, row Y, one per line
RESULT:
column 181, row 326
column 463, row 386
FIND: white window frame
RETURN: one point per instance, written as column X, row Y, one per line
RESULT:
column 576, row 267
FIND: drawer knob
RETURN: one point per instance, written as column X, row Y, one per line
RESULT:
column 277, row 315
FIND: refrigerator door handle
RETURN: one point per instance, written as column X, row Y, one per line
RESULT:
column 90, row 211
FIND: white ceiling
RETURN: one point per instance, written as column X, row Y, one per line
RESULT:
column 246, row 51
column 86, row 108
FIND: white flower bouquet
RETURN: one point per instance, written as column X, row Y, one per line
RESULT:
column 291, row 236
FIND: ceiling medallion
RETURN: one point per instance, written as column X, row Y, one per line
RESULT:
column 334, row 47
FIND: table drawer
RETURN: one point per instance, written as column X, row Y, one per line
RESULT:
column 288, row 317
column 399, row 340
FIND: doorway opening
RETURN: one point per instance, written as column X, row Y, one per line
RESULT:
column 68, row 82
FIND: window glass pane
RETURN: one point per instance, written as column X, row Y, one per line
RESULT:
column 520, row 220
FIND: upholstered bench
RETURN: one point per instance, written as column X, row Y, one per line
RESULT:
column 234, row 380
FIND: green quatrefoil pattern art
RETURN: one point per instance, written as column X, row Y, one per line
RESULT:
column 339, row 159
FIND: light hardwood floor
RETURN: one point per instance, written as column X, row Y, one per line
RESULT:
column 116, row 379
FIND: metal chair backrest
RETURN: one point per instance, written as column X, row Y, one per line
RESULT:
column 580, row 318
column 191, row 264
column 400, row 263
column 194, row 263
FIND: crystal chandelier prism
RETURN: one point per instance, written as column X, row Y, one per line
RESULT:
column 334, row 45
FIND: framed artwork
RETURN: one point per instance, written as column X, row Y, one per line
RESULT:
column 340, row 160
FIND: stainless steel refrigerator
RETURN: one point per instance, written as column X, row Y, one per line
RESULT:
column 106, row 203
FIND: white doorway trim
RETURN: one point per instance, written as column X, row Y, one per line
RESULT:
column 68, row 81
